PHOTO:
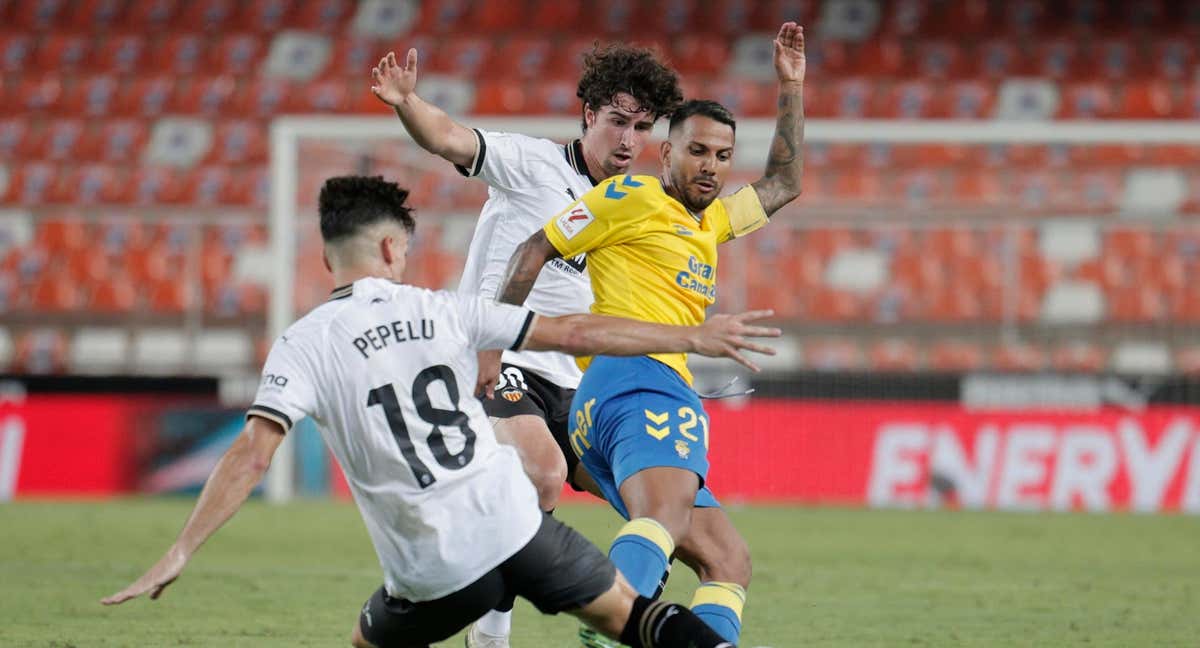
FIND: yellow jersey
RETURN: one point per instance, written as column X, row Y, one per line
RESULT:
column 649, row 258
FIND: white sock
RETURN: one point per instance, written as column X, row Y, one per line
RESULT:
column 496, row 624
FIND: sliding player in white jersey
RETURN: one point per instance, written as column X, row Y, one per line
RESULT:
column 384, row 369
column 623, row 90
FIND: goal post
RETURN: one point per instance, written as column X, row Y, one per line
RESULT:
column 303, row 150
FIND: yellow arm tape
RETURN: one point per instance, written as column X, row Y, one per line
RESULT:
column 651, row 530
column 730, row 595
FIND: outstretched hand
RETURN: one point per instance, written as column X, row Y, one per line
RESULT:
column 393, row 82
column 724, row 335
column 789, row 53
column 154, row 581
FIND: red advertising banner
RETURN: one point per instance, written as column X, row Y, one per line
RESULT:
column 68, row 445
column 916, row 455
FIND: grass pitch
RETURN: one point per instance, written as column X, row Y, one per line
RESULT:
column 296, row 576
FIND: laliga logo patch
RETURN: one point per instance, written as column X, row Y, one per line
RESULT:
column 512, row 396
column 682, row 449
column 572, row 222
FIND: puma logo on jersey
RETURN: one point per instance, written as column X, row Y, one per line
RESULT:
column 572, row 222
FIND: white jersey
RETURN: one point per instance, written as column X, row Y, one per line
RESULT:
column 530, row 180
column 387, row 373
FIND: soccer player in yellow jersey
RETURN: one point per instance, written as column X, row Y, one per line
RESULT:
column 651, row 244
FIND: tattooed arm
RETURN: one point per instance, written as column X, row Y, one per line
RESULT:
column 780, row 183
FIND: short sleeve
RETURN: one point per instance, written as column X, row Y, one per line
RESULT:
column 507, row 160
column 612, row 212
column 744, row 213
column 287, row 391
column 490, row 325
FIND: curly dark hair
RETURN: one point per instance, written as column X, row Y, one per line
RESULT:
column 349, row 203
column 623, row 68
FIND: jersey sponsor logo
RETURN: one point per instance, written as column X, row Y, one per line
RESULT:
column 699, row 278
column 574, row 265
column 572, row 222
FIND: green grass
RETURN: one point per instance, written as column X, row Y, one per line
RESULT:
column 297, row 575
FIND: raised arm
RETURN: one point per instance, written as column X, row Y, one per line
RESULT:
column 431, row 128
column 237, row 473
column 780, row 183
column 586, row 334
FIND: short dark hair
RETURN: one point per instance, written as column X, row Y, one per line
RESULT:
column 349, row 203
column 704, row 108
column 623, row 68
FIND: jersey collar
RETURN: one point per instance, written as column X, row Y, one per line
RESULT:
column 342, row 292
column 574, row 153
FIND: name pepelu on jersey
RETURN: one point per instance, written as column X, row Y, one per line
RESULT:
column 386, row 372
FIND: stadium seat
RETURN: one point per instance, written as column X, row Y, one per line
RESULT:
column 1087, row 100
column 94, row 184
column 262, row 15
column 461, row 56
column 178, row 142
column 353, row 57
column 524, row 57
column 298, row 56
column 62, row 52
column 489, row 17
column 17, row 51
column 321, row 15
column 205, row 186
column 955, row 356
column 122, row 140
column 92, row 96
column 1078, row 356
column 150, row 15
column 208, row 96
column 1173, row 58
column 98, row 15
column 963, row 100
column 34, row 15
column 262, row 98
column 208, row 16
column 1073, row 302
column 119, row 53
column 144, row 96
column 170, row 296
column 1021, row 357
column 41, row 351
column 34, row 95
column 500, row 98
column 895, row 355
column 832, row 354
column 237, row 54
column 940, row 60
column 56, row 292
column 183, row 54
column 98, row 350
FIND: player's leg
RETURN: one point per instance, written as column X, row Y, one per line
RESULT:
column 521, row 416
column 560, row 571
column 719, row 555
column 659, row 503
column 387, row 622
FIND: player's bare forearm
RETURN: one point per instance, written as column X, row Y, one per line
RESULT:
column 781, row 182
column 240, row 469
column 435, row 131
column 431, row 128
column 523, row 268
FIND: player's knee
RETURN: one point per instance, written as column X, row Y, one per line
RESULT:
column 548, row 477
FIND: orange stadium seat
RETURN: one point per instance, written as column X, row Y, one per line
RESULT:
column 179, row 54
column 1173, row 58
column 1078, row 356
column 354, row 56
column 92, row 96
column 556, row 17
column 150, row 15
column 832, row 354
column 115, row 295
column 963, row 100
column 325, row 96
column 92, row 15
column 699, row 54
column 829, row 305
column 209, row 16
column 238, row 141
column 16, row 51
column 884, row 57
column 207, row 96
column 521, row 57
column 463, row 56
column 955, row 356
column 492, row 17
column 554, row 98
column 86, row 266
column 940, row 60
column 237, row 54
column 123, row 53
column 1056, row 58
column 35, row 95
column 122, row 140
column 56, row 292
column 41, row 351
column 903, row 100
column 15, row 138
column 144, row 96
column 262, row 15
column 1020, row 357
column 443, row 16
column 263, row 98
column 36, row 14
column 1087, row 100
column 895, row 355
column 63, row 139
column 1187, row 360
column 321, row 15
column 62, row 51
column 169, row 297
column 500, row 97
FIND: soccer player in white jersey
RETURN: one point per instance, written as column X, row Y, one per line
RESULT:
column 623, row 91
column 384, row 369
